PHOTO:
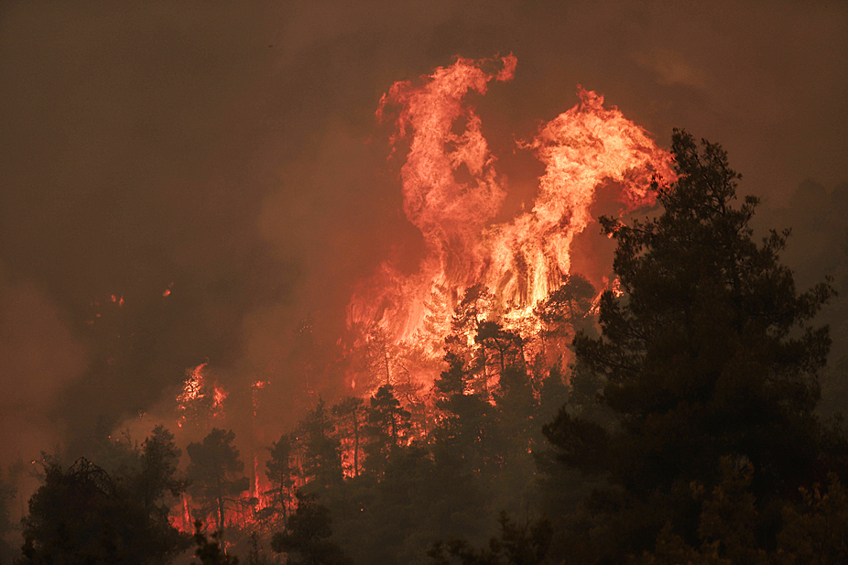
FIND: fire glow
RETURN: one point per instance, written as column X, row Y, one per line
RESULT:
column 196, row 391
column 520, row 262
column 452, row 192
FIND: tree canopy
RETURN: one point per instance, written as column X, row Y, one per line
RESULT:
column 707, row 352
column 85, row 515
column 216, row 472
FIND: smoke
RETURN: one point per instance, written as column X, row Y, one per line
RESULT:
column 39, row 358
column 229, row 154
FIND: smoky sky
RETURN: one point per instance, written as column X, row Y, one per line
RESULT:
column 227, row 152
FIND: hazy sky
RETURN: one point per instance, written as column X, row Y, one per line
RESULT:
column 228, row 152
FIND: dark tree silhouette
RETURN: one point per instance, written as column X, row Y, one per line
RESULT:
column 517, row 545
column 84, row 515
column 387, row 425
column 209, row 549
column 281, row 474
column 350, row 413
column 567, row 309
column 216, row 473
column 502, row 348
column 158, row 477
column 708, row 353
column 322, row 465
column 7, row 494
column 306, row 537
column 463, row 436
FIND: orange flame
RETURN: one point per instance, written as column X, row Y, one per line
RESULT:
column 192, row 385
column 522, row 261
column 195, row 389
column 218, row 397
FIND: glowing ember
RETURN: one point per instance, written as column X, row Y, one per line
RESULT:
column 255, row 388
column 199, row 400
column 192, row 385
column 519, row 262
column 218, row 397
column 261, row 486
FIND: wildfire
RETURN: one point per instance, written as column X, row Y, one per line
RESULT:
column 254, row 390
column 218, row 397
column 452, row 191
column 200, row 399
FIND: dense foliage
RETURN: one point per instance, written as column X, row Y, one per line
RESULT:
column 681, row 428
column 215, row 473
column 709, row 362
column 85, row 515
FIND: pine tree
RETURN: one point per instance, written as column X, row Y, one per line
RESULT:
column 216, row 473
column 85, row 515
column 281, row 474
column 388, row 424
column 322, row 465
column 306, row 537
column 708, row 353
column 350, row 413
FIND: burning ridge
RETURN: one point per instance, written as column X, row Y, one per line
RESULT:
column 452, row 191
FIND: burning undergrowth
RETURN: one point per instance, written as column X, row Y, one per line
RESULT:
column 491, row 293
column 452, row 191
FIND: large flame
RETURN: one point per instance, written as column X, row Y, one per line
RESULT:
column 452, row 191
column 200, row 399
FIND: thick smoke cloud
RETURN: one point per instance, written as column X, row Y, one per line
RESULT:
column 40, row 358
column 228, row 153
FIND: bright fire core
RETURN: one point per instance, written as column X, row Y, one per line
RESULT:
column 519, row 262
column 452, row 191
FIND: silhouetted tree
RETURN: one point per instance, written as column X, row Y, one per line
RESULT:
column 814, row 529
column 567, row 309
column 463, row 436
column 114, row 452
column 281, row 474
column 84, row 515
column 209, row 550
column 158, row 477
column 471, row 311
column 305, row 539
column 322, row 464
column 708, row 353
column 7, row 494
column 517, row 545
column 387, row 425
column 553, row 393
column 501, row 348
column 216, row 473
column 350, row 414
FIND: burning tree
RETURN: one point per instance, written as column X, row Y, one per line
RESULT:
column 452, row 194
column 201, row 401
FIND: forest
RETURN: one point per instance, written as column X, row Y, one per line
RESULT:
column 674, row 420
